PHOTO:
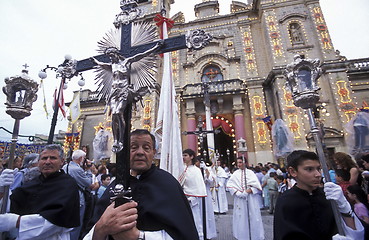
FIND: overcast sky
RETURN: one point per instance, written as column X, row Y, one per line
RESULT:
column 41, row 32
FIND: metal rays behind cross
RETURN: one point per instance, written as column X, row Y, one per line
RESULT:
column 196, row 40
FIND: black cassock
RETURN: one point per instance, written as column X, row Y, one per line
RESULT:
column 162, row 205
column 56, row 198
column 299, row 215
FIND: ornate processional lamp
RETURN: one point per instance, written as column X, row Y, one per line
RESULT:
column 65, row 71
column 20, row 94
column 302, row 76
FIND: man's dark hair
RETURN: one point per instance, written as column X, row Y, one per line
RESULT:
column 297, row 157
column 272, row 174
column 104, row 177
column 345, row 175
column 365, row 158
column 57, row 147
column 246, row 161
column 190, row 152
column 280, row 177
column 144, row 132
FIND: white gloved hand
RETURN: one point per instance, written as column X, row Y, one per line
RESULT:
column 8, row 222
column 241, row 194
column 192, row 201
column 7, row 177
column 340, row 237
column 220, row 184
column 202, row 165
column 334, row 192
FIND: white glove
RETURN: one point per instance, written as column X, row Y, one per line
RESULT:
column 334, row 192
column 7, row 177
column 340, row 237
column 241, row 194
column 202, row 165
column 8, row 222
column 220, row 184
column 192, row 201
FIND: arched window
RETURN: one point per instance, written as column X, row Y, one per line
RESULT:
column 295, row 33
column 211, row 73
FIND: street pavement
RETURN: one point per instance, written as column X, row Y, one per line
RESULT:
column 224, row 223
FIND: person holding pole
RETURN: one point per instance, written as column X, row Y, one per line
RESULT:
column 304, row 211
column 244, row 185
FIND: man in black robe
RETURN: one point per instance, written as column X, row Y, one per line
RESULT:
column 162, row 208
column 46, row 207
column 304, row 212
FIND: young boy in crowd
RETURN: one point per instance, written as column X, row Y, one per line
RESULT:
column 304, row 212
column 282, row 187
column 343, row 180
column 105, row 181
column 273, row 191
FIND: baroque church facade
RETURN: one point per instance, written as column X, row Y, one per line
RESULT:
column 243, row 66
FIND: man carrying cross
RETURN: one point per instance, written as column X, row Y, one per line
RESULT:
column 160, row 210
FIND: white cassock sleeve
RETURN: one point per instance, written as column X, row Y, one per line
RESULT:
column 157, row 235
column 354, row 234
column 34, row 226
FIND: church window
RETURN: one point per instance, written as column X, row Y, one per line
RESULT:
column 211, row 73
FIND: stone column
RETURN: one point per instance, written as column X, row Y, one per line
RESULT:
column 191, row 138
column 191, row 124
column 239, row 119
column 239, row 125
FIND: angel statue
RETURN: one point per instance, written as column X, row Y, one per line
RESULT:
column 122, row 90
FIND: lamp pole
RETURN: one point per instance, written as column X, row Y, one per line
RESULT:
column 65, row 71
column 20, row 91
column 302, row 76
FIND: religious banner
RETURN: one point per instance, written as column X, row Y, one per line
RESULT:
column 20, row 149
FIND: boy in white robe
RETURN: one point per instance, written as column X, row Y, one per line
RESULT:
column 244, row 186
column 193, row 185
column 219, row 191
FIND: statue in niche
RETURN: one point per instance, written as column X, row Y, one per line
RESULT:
column 295, row 33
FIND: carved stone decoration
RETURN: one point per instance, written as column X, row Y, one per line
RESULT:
column 129, row 13
column 302, row 76
column 197, row 39
column 21, row 93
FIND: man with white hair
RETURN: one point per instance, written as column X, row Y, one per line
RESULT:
column 84, row 179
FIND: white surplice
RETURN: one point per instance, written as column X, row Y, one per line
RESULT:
column 194, row 188
column 220, row 203
column 246, row 212
column 211, row 230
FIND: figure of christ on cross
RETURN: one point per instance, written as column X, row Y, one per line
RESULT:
column 122, row 91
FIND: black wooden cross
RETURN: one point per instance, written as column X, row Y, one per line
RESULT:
column 127, row 50
column 197, row 40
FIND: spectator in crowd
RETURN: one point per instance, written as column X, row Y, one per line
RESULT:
column 47, row 206
column 28, row 172
column 105, row 180
column 345, row 162
column 273, row 191
column 282, row 187
column 84, row 181
column 343, row 180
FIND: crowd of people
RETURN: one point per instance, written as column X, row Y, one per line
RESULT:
column 51, row 198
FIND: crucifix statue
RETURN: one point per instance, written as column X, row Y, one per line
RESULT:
column 121, row 90
column 125, row 74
